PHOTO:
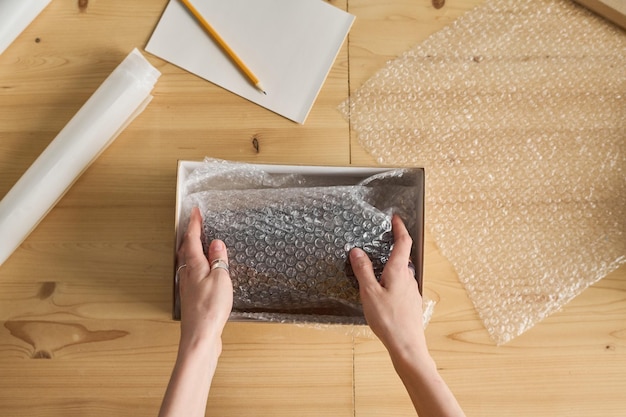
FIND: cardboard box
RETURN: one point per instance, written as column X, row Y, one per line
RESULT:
column 331, row 176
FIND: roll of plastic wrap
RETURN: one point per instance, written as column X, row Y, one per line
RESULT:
column 121, row 97
column 15, row 15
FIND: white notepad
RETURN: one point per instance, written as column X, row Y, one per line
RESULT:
column 290, row 45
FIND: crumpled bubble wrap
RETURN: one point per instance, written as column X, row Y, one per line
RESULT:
column 517, row 112
column 288, row 237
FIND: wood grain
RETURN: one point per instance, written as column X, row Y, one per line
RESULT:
column 85, row 324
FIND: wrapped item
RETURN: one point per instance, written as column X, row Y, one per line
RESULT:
column 120, row 98
column 288, row 235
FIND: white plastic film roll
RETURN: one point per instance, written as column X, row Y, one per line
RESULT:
column 120, row 98
column 15, row 16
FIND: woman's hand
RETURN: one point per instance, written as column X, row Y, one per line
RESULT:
column 206, row 295
column 393, row 307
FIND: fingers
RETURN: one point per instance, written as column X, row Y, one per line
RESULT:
column 217, row 251
column 362, row 267
column 191, row 252
column 401, row 253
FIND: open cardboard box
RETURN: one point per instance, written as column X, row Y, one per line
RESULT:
column 328, row 174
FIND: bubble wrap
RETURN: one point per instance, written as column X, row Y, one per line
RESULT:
column 517, row 112
column 288, row 238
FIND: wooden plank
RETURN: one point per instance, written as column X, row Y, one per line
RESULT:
column 570, row 364
column 63, row 366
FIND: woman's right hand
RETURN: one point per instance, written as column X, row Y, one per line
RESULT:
column 393, row 306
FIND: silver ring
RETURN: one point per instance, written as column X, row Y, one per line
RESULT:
column 180, row 268
column 218, row 263
column 411, row 267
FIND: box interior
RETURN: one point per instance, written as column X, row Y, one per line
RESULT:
column 325, row 174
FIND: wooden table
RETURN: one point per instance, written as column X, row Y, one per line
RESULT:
column 85, row 302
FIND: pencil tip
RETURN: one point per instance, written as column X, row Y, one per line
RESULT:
column 260, row 88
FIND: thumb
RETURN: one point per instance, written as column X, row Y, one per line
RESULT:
column 362, row 267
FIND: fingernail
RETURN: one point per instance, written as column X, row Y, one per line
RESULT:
column 217, row 245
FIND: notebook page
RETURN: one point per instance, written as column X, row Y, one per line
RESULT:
column 289, row 45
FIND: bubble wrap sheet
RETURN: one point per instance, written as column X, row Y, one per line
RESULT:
column 517, row 112
column 288, row 236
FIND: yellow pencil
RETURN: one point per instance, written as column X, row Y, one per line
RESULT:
column 253, row 78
